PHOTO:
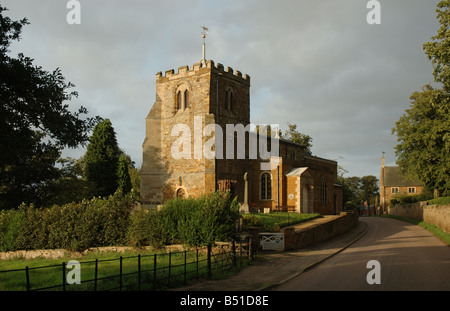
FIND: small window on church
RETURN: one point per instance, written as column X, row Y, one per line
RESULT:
column 229, row 99
column 179, row 101
column 186, row 99
column 292, row 154
column 230, row 104
column 323, row 191
column 266, row 187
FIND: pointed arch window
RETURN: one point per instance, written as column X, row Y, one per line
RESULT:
column 182, row 97
column 229, row 94
column 179, row 101
column 186, row 99
column 266, row 187
column 323, row 191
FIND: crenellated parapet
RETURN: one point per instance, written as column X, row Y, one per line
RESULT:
column 197, row 68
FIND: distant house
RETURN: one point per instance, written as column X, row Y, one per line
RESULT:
column 393, row 183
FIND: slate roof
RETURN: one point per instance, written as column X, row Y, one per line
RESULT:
column 393, row 178
column 296, row 171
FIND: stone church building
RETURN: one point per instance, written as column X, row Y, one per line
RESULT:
column 192, row 105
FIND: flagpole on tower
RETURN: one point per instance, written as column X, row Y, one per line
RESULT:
column 204, row 33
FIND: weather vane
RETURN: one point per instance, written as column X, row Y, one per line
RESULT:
column 204, row 33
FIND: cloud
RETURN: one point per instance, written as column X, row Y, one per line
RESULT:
column 317, row 64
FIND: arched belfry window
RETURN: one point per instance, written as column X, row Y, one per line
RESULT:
column 229, row 100
column 182, row 97
column 266, row 187
column 179, row 101
column 186, row 99
column 323, row 192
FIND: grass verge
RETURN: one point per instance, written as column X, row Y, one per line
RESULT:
column 272, row 222
column 48, row 272
column 443, row 236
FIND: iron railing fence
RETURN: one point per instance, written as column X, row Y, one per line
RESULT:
column 140, row 272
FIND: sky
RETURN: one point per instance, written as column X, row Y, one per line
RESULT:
column 317, row 64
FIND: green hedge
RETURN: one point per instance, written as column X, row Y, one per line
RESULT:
column 91, row 223
column 193, row 222
column 441, row 201
column 404, row 199
column 111, row 221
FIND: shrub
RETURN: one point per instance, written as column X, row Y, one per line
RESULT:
column 9, row 229
column 442, row 200
column 192, row 221
column 91, row 223
column 145, row 229
column 404, row 199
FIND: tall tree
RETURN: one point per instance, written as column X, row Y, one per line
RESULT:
column 369, row 189
column 35, row 122
column 423, row 132
column 438, row 50
column 101, row 159
column 295, row 136
column 123, row 175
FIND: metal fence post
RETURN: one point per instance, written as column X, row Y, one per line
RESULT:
column 154, row 271
column 64, row 276
column 197, row 263
column 96, row 275
column 250, row 249
column 240, row 252
column 27, row 273
column 234, row 253
column 170, row 266
column 139, row 272
column 185, row 266
column 120, row 276
column 209, row 260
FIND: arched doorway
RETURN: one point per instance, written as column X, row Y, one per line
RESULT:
column 181, row 193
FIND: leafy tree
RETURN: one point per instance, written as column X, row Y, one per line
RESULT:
column 359, row 189
column 302, row 139
column 423, row 132
column 102, row 158
column 438, row 50
column 369, row 188
column 123, row 175
column 35, row 122
column 71, row 186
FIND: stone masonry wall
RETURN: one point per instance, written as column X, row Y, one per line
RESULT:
column 299, row 239
column 438, row 215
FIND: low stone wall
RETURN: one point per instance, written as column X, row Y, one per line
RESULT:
column 438, row 215
column 298, row 239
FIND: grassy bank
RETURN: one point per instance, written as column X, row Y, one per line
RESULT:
column 271, row 222
column 445, row 237
column 185, row 268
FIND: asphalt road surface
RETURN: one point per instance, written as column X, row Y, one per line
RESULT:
column 410, row 259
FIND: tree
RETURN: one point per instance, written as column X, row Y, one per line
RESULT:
column 101, row 159
column 70, row 186
column 123, row 175
column 359, row 189
column 369, row 189
column 438, row 51
column 35, row 122
column 302, row 139
column 423, row 132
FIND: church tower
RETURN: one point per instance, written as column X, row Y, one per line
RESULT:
column 177, row 133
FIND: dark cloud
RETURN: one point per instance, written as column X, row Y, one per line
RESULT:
column 317, row 64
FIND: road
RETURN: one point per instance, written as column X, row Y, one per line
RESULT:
column 410, row 259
